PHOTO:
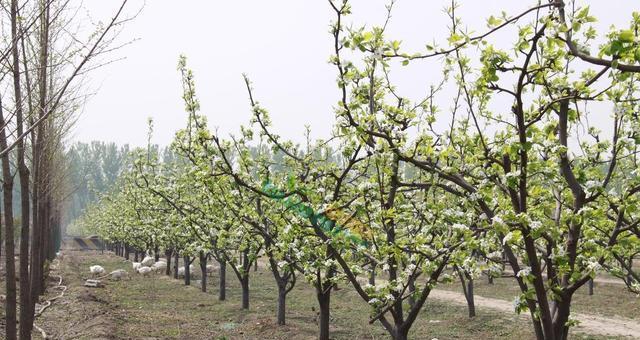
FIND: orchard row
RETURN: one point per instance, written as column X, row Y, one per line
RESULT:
column 505, row 173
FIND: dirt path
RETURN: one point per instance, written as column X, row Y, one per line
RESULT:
column 608, row 281
column 80, row 313
column 590, row 324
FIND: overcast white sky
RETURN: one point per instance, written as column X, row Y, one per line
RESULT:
column 282, row 45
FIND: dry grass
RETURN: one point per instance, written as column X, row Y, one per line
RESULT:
column 163, row 308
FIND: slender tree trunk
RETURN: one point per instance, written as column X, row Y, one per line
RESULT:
column 176, row 259
column 167, row 253
column 9, row 247
column 203, row 269
column 40, row 161
column 282, row 281
column 282, row 302
column 324, row 302
column 467, row 288
column 34, row 253
column 36, row 230
column 591, row 287
column 187, row 272
column 245, row 291
column 372, row 275
column 471, row 305
column 222, row 285
column 46, row 234
column 126, row 252
column 156, row 253
column 25, row 316
column 244, row 279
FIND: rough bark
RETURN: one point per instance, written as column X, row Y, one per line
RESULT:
column 372, row 275
column 25, row 317
column 176, row 259
column 187, row 272
column 9, row 247
column 222, row 285
column 167, row 253
column 282, row 303
column 324, row 302
column 244, row 282
column 203, row 269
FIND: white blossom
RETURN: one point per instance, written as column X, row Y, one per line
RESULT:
column 524, row 272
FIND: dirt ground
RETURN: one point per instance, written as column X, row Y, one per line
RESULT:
column 81, row 313
column 160, row 307
column 589, row 323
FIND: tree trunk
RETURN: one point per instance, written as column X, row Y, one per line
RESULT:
column 282, row 302
column 559, row 321
column 156, row 253
column 187, row 272
column 372, row 275
column 40, row 162
column 203, row 269
column 245, row 291
column 591, row 287
column 222, row 291
column 176, row 259
column 244, row 281
column 25, row 317
column 126, row 252
column 9, row 247
column 135, row 256
column 467, row 288
column 324, row 302
column 167, row 253
column 471, row 305
column 400, row 333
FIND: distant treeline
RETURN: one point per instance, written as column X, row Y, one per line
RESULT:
column 93, row 169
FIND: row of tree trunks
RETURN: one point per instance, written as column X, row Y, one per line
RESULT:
column 37, row 124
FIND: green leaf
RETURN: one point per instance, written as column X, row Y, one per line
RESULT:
column 626, row 36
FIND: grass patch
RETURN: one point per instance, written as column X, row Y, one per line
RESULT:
column 161, row 307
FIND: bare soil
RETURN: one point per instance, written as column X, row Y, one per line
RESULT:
column 160, row 307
